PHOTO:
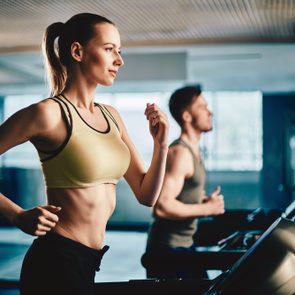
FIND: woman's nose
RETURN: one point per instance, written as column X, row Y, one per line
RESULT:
column 119, row 60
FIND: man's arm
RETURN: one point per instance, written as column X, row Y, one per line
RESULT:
column 179, row 167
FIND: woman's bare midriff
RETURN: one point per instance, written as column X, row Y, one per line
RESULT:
column 85, row 212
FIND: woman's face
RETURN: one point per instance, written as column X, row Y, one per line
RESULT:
column 101, row 55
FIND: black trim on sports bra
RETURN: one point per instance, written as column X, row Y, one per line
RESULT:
column 104, row 108
column 108, row 123
column 69, row 125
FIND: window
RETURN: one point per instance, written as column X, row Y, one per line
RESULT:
column 235, row 143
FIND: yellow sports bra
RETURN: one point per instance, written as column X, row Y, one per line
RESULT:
column 88, row 156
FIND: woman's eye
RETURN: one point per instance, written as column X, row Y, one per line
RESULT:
column 109, row 49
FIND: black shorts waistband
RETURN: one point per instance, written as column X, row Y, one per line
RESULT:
column 54, row 240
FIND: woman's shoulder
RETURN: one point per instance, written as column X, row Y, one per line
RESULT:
column 45, row 111
column 110, row 108
column 44, row 107
column 114, row 112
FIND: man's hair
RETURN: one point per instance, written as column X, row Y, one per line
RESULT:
column 181, row 99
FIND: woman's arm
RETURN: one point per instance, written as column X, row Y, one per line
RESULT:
column 37, row 221
column 26, row 124
column 147, row 184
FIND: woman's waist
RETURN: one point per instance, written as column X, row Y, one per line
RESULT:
column 67, row 244
column 83, row 215
column 87, row 234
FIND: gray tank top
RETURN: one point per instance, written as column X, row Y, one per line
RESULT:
column 164, row 233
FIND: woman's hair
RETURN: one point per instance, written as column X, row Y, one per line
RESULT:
column 181, row 99
column 57, row 52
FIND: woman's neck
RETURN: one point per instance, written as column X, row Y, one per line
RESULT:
column 81, row 97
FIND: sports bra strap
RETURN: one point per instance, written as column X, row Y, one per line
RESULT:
column 66, row 114
column 106, row 111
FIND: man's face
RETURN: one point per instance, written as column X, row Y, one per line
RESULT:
column 201, row 115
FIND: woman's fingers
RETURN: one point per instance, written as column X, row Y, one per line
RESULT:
column 49, row 212
column 43, row 228
column 152, row 113
column 158, row 123
column 46, row 220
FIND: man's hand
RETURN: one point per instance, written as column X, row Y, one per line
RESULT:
column 215, row 202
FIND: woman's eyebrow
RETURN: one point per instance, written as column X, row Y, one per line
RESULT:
column 110, row 43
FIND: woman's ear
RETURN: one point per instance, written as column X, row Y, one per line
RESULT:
column 77, row 51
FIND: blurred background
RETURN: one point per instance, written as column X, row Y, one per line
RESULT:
column 242, row 52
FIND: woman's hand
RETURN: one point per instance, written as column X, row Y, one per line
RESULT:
column 39, row 220
column 158, row 124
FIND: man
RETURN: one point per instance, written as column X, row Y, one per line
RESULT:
column 182, row 199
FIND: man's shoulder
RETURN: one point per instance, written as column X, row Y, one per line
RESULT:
column 178, row 151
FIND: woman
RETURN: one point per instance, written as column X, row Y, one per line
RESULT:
column 84, row 149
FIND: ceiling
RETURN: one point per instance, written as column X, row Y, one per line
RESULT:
column 154, row 22
column 147, row 26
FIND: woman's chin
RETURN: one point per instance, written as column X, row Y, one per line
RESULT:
column 108, row 83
